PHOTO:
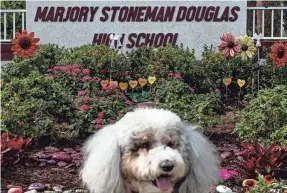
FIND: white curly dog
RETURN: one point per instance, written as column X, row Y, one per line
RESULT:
column 149, row 151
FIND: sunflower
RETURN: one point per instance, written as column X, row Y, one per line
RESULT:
column 279, row 54
column 25, row 44
column 249, row 183
column 268, row 179
column 228, row 45
column 247, row 48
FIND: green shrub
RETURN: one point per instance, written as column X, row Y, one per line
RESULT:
column 176, row 96
column 265, row 118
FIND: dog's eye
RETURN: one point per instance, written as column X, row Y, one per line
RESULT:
column 144, row 145
column 170, row 144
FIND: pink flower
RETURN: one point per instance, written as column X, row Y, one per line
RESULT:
column 50, row 70
column 86, row 98
column 102, row 70
column 86, row 71
column 77, row 70
column 228, row 45
column 83, row 107
column 192, row 90
column 98, row 120
column 75, row 66
column 21, row 123
column 69, row 72
column 112, row 121
column 161, row 60
column 75, row 100
column 128, row 102
column 226, row 174
column 86, row 78
column 102, row 98
column 57, row 67
column 81, row 93
column 177, row 76
column 170, row 74
column 101, row 115
column 217, row 90
column 98, row 126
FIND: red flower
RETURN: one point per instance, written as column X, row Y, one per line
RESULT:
column 228, row 45
column 86, row 98
column 86, row 71
column 81, row 93
column 86, row 78
column 83, row 107
column 101, row 115
column 279, row 54
column 25, row 44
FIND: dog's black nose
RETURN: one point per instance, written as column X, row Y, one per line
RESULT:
column 167, row 165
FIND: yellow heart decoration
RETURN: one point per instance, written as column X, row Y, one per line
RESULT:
column 133, row 83
column 123, row 86
column 104, row 83
column 240, row 82
column 114, row 82
column 151, row 79
column 142, row 81
column 227, row 81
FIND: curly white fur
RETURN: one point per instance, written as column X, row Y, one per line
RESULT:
column 196, row 165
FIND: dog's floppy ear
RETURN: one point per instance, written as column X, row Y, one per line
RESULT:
column 101, row 170
column 203, row 171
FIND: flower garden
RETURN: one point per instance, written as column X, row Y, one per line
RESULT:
column 53, row 98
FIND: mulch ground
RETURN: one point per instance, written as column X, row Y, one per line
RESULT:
column 26, row 172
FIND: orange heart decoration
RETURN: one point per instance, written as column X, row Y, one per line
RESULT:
column 227, row 81
column 142, row 81
column 151, row 79
column 123, row 86
column 104, row 83
column 240, row 82
column 114, row 82
column 133, row 83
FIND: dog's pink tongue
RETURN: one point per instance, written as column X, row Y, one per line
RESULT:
column 163, row 183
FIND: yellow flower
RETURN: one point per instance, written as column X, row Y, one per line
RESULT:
column 246, row 45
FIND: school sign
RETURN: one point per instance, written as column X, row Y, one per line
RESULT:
column 151, row 23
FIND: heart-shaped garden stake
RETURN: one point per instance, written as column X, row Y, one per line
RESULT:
column 104, row 83
column 227, row 81
column 142, row 81
column 123, row 86
column 114, row 83
column 240, row 82
column 133, row 83
column 151, row 79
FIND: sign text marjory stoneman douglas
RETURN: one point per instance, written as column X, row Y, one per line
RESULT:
column 137, row 14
